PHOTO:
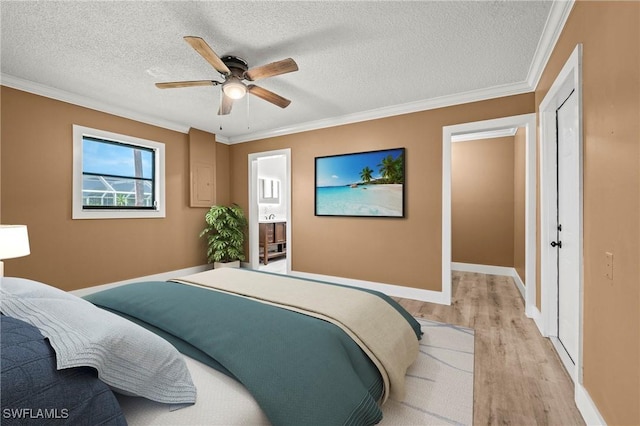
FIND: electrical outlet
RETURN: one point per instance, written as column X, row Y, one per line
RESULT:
column 608, row 270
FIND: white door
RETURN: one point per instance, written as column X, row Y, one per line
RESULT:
column 568, row 223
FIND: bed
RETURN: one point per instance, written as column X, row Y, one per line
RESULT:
column 254, row 347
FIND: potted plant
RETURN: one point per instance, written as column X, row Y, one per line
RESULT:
column 225, row 231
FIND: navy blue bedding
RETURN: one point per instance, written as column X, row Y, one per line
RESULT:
column 34, row 392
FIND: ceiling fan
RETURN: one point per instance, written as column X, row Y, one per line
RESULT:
column 234, row 70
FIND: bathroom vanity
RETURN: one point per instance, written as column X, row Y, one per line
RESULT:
column 273, row 240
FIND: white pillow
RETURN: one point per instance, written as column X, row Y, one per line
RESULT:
column 129, row 358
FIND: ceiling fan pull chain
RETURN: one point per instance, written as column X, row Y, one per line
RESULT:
column 248, row 103
column 220, row 107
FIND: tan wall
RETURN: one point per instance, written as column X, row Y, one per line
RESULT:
column 396, row 251
column 610, row 35
column 482, row 201
column 36, row 191
column 519, row 205
column 222, row 174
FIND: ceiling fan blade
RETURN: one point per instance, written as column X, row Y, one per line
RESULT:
column 207, row 53
column 275, row 68
column 225, row 105
column 268, row 96
column 176, row 84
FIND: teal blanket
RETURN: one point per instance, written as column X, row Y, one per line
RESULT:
column 301, row 370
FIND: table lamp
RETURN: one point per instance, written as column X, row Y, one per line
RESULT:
column 14, row 242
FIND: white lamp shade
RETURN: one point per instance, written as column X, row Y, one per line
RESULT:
column 14, row 241
column 234, row 88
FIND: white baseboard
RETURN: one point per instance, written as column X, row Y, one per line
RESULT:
column 519, row 283
column 534, row 313
column 481, row 269
column 163, row 276
column 587, row 408
column 491, row 270
column 389, row 289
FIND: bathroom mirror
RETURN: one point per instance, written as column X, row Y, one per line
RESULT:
column 269, row 191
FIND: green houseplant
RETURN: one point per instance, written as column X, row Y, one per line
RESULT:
column 225, row 232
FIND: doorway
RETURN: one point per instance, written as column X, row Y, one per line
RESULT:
column 270, row 206
column 561, row 214
column 449, row 133
column 487, row 203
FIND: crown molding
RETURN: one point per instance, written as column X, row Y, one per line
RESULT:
column 222, row 139
column 423, row 105
column 408, row 108
column 84, row 101
column 560, row 10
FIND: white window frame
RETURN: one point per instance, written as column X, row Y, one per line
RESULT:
column 78, row 212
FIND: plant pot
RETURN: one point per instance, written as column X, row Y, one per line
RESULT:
column 234, row 264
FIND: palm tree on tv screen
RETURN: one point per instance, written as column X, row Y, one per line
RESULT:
column 391, row 169
column 366, row 174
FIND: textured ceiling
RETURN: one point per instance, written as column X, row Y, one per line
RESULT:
column 356, row 59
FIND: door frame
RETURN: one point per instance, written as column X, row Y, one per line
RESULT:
column 528, row 121
column 569, row 78
column 254, row 238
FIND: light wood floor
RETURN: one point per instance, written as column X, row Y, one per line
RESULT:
column 518, row 377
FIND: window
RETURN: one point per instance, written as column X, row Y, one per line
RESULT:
column 116, row 176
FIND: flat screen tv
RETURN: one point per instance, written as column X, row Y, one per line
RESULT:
column 362, row 184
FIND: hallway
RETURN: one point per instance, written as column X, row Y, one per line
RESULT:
column 519, row 378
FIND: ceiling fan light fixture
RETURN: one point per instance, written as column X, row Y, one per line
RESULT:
column 234, row 70
column 234, row 88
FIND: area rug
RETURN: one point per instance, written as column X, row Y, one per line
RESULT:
column 440, row 383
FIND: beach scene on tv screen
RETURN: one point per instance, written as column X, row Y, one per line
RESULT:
column 361, row 184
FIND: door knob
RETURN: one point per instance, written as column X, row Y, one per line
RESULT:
column 556, row 244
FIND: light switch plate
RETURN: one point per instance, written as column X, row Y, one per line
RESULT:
column 608, row 270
